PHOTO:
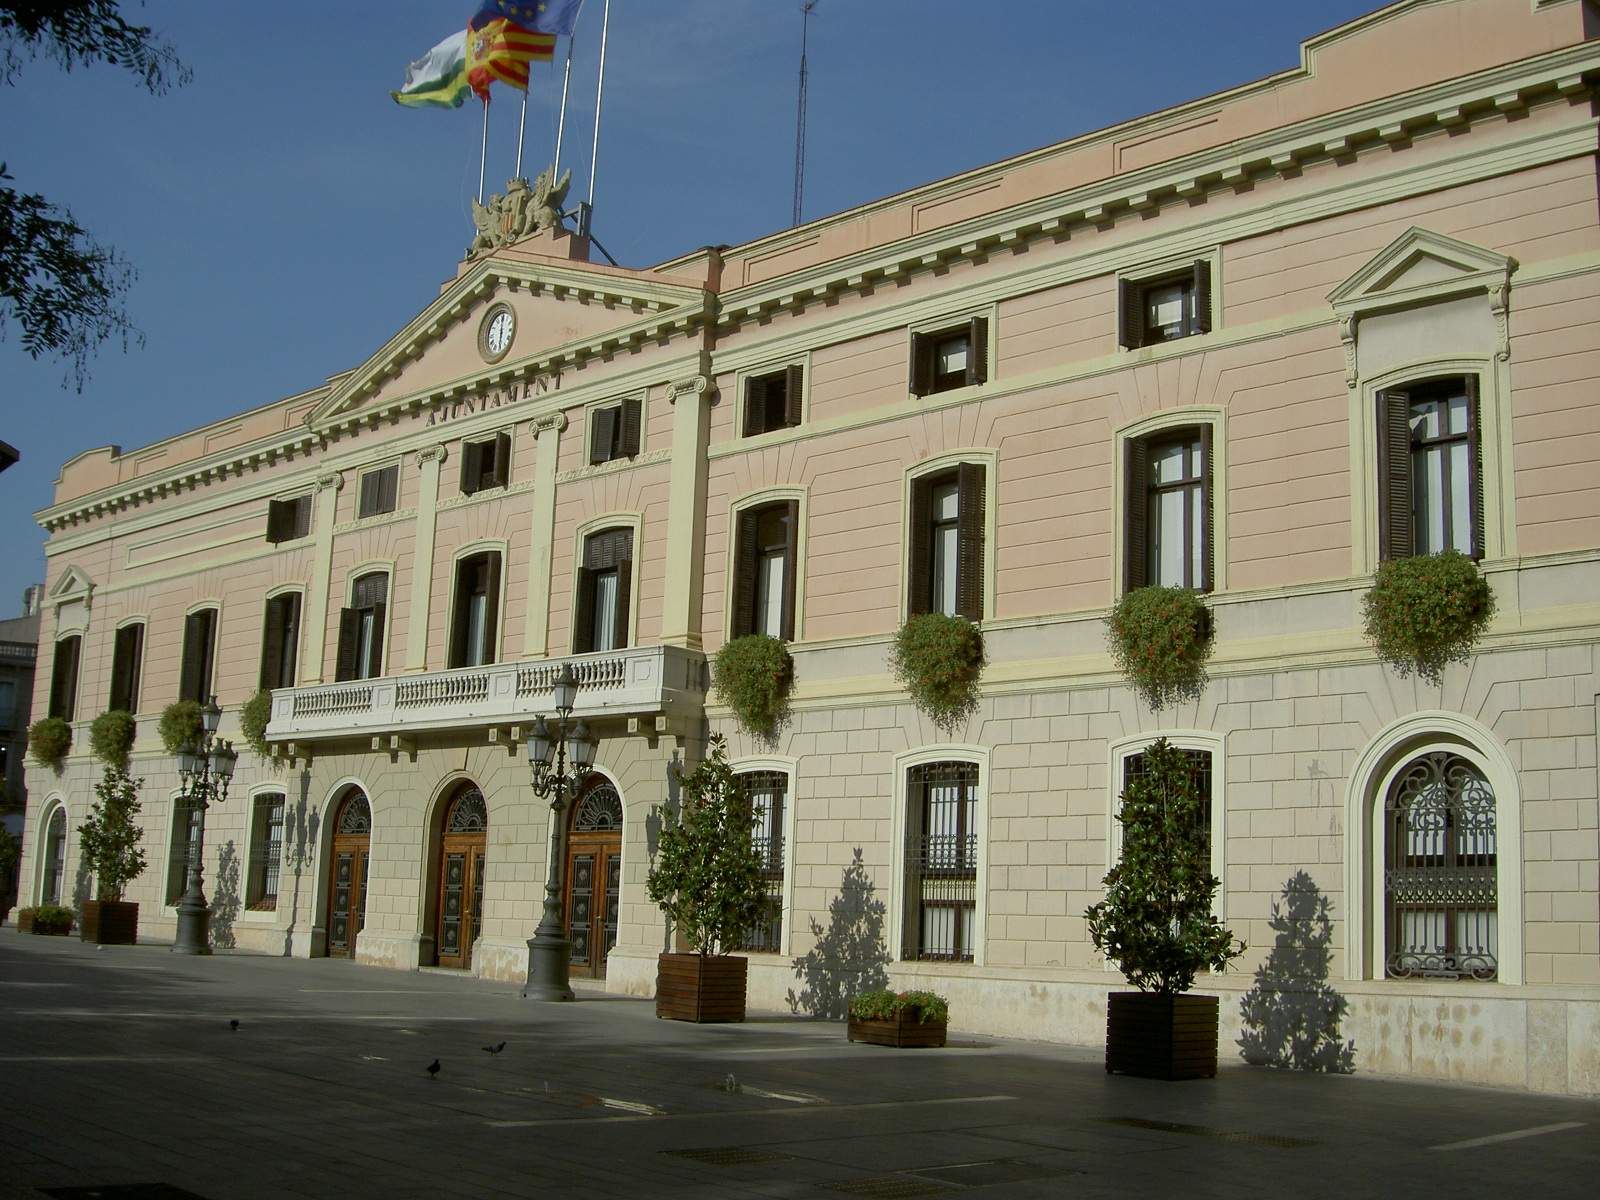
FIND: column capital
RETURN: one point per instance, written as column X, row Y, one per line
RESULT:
column 556, row 421
column 332, row 481
column 430, row 454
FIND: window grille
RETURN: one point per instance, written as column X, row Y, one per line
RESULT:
column 1440, row 871
column 941, row 862
column 185, row 829
column 1200, row 770
column 767, row 792
column 55, row 857
column 266, row 854
column 355, row 814
column 468, row 813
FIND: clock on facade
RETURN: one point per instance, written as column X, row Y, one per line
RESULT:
column 495, row 334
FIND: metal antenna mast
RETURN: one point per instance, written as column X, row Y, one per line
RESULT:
column 800, row 114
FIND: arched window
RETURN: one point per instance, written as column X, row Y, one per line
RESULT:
column 1441, row 866
column 941, row 862
column 767, row 792
column 55, row 857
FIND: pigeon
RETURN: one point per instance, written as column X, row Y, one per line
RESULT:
column 730, row 1084
column 433, row 1069
column 234, row 1024
column 494, row 1049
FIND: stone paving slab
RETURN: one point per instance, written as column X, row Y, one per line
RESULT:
column 120, row 1067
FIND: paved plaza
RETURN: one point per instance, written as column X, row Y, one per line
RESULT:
column 121, row 1067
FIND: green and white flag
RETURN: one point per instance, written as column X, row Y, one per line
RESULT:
column 439, row 78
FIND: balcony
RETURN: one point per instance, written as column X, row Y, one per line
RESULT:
column 641, row 681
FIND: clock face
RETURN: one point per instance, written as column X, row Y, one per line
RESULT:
column 497, row 333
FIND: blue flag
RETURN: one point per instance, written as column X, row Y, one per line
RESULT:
column 536, row 16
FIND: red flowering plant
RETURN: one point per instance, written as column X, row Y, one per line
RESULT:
column 1427, row 611
column 1160, row 639
column 752, row 676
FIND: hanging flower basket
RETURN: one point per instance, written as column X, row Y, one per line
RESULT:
column 753, row 676
column 1427, row 611
column 111, row 737
column 939, row 660
column 49, row 740
column 253, row 719
column 180, row 725
column 1160, row 639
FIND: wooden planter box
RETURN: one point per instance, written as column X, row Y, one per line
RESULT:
column 26, row 924
column 110, row 922
column 902, row 1030
column 1161, row 1037
column 701, row 987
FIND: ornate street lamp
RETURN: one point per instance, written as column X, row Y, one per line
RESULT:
column 205, row 767
column 548, row 949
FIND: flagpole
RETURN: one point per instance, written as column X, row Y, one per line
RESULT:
column 483, row 148
column 561, row 123
column 522, row 123
column 599, row 94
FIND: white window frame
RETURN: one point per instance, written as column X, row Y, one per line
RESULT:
column 56, row 804
column 772, row 367
column 790, row 769
column 985, row 457
column 612, row 520
column 761, row 499
column 247, row 914
column 1188, row 416
column 498, row 642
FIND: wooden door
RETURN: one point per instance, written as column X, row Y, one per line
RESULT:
column 460, row 876
column 594, row 879
column 347, row 875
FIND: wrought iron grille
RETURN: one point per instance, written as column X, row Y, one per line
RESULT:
column 1134, row 766
column 185, row 828
column 55, row 857
column 266, row 854
column 355, row 815
column 941, row 862
column 599, row 811
column 468, row 813
column 1440, row 871
column 767, row 792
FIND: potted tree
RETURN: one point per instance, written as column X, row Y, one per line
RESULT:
column 900, row 1019
column 707, row 878
column 110, row 841
column 1157, row 926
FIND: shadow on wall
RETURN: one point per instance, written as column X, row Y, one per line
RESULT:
column 1291, row 1016
column 225, row 898
column 301, row 850
column 849, row 955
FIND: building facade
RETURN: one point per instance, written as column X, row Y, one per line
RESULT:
column 1253, row 345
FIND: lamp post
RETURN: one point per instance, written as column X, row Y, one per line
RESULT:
column 205, row 767
column 548, row 755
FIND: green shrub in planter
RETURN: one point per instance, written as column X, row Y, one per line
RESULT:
column 939, row 660
column 49, row 740
column 1160, row 638
column 253, row 719
column 48, row 918
column 1427, row 611
column 753, row 675
column 110, row 838
column 886, row 1005
column 111, row 737
column 180, row 725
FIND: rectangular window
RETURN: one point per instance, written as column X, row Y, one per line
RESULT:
column 945, row 359
column 1200, row 771
column 266, row 854
column 199, row 655
column 614, row 431
column 604, row 582
column 64, row 678
column 765, row 790
column 941, row 862
column 472, row 637
column 8, row 715
column 361, row 626
column 127, row 662
column 280, row 640
column 1430, row 469
column 288, row 519
column 1165, row 308
column 185, row 832
column 946, row 533
column 379, row 491
column 764, row 570
column 1168, row 516
column 772, row 401
column 485, row 464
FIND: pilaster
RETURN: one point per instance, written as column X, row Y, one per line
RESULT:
column 680, row 618
column 322, row 577
column 431, row 461
column 542, row 526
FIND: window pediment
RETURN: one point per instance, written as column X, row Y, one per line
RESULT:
column 1418, row 267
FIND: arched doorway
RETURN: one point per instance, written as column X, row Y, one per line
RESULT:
column 55, row 857
column 461, row 855
column 347, row 878
column 594, row 877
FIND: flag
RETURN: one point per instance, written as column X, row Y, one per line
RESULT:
column 501, row 50
column 536, row 16
column 439, row 77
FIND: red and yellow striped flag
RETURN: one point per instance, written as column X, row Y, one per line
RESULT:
column 501, row 50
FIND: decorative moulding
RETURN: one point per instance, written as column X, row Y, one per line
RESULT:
column 74, row 586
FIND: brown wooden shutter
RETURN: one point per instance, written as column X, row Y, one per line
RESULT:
column 921, row 364
column 389, row 489
column 374, row 663
column 624, row 597
column 1208, row 524
column 746, row 557
column 602, row 428
column 793, row 385
column 631, row 414
column 1395, row 536
column 272, row 635
column 491, row 607
column 346, row 665
column 64, row 678
column 1202, row 296
column 1475, row 465
column 755, row 405
column 458, row 623
column 919, row 585
column 125, row 655
column 977, row 350
column 280, row 521
column 500, row 471
column 583, row 618
column 367, row 505
column 791, row 559
column 191, row 676
column 1136, row 479
column 1130, row 315
column 970, row 524
column 302, row 516
column 471, row 467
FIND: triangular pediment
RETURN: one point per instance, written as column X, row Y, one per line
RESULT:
column 1420, row 266
column 559, row 310
column 73, row 584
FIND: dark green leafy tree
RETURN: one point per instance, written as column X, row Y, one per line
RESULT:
column 64, row 290
column 110, row 837
column 707, row 875
column 1156, row 922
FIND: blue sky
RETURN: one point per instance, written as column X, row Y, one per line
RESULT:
column 285, row 217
